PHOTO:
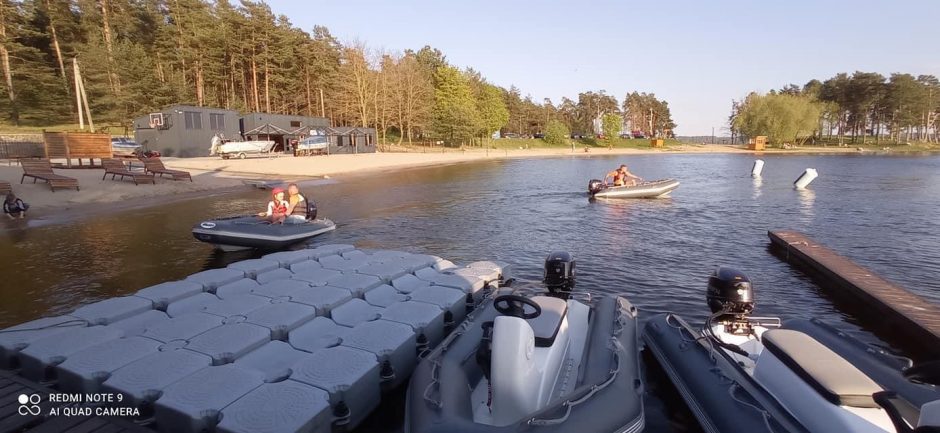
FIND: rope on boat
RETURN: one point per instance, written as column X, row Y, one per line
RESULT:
column 764, row 413
column 616, row 349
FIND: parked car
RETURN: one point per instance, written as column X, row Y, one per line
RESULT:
column 626, row 135
column 510, row 135
column 538, row 135
column 577, row 135
column 638, row 134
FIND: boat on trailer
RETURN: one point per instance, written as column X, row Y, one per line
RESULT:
column 756, row 374
column 247, row 232
column 559, row 361
column 653, row 189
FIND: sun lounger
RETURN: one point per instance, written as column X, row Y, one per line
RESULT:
column 5, row 188
column 155, row 166
column 117, row 168
column 41, row 169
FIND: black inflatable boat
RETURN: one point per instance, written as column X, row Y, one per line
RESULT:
column 555, row 362
column 751, row 374
column 246, row 232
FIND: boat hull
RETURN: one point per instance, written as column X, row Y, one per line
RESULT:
column 707, row 380
column 654, row 189
column 249, row 232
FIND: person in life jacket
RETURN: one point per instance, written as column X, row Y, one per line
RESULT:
column 277, row 208
column 622, row 177
column 298, row 208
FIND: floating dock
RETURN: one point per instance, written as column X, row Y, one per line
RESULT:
column 916, row 316
column 306, row 340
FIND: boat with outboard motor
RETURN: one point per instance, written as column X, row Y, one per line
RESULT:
column 653, row 189
column 247, row 232
column 755, row 374
column 559, row 361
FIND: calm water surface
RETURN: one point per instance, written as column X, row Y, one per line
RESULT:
column 880, row 211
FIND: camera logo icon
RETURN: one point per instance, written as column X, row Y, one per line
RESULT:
column 29, row 404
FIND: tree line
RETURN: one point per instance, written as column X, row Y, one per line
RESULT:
column 137, row 56
column 899, row 108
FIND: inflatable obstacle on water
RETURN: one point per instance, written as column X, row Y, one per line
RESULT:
column 652, row 189
column 306, row 340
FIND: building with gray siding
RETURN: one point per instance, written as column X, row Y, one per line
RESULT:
column 185, row 130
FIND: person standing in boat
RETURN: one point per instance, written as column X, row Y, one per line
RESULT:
column 296, row 205
column 622, row 177
column 277, row 208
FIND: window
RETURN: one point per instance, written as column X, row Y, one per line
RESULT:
column 193, row 119
column 295, row 124
column 216, row 121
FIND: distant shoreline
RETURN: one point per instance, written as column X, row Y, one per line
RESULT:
column 214, row 176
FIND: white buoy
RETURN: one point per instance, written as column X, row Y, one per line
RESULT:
column 806, row 178
column 757, row 168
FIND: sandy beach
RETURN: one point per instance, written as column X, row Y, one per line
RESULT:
column 212, row 174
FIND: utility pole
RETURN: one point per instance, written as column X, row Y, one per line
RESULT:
column 713, row 135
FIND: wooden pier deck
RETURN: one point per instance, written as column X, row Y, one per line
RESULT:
column 917, row 316
column 11, row 420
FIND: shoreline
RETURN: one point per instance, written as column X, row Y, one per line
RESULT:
column 215, row 176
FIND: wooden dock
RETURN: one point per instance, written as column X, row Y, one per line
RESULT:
column 892, row 305
column 12, row 420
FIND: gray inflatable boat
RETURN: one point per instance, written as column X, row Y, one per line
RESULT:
column 652, row 189
column 755, row 374
column 247, row 232
column 556, row 362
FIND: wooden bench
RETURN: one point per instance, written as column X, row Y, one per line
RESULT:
column 5, row 188
column 42, row 169
column 155, row 166
column 117, row 168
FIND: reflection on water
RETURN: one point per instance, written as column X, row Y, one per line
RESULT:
column 879, row 211
column 807, row 197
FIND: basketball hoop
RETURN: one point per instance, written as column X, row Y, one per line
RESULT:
column 156, row 120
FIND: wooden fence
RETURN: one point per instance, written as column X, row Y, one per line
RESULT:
column 77, row 145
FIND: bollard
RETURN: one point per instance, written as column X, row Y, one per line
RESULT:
column 757, row 168
column 806, row 178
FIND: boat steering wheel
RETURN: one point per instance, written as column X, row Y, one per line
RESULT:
column 514, row 305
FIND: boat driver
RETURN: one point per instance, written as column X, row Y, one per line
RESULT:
column 622, row 177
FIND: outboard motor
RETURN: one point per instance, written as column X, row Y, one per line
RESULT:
column 730, row 292
column 311, row 210
column 559, row 273
column 595, row 186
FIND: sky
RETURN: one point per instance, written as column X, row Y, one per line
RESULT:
column 698, row 55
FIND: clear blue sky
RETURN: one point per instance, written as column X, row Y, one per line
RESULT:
column 696, row 54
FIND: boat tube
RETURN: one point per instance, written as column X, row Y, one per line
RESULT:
column 652, row 189
column 555, row 362
column 246, row 232
column 743, row 373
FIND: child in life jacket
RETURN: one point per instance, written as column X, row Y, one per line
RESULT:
column 277, row 208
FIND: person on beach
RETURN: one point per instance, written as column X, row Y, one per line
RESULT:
column 277, row 207
column 296, row 205
column 14, row 206
column 622, row 177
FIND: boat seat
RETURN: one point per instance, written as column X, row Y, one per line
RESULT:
column 546, row 325
column 834, row 378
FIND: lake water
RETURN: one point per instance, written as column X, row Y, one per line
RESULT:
column 880, row 211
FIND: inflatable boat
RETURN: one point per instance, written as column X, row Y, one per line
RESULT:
column 652, row 189
column 741, row 373
column 247, row 232
column 543, row 362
